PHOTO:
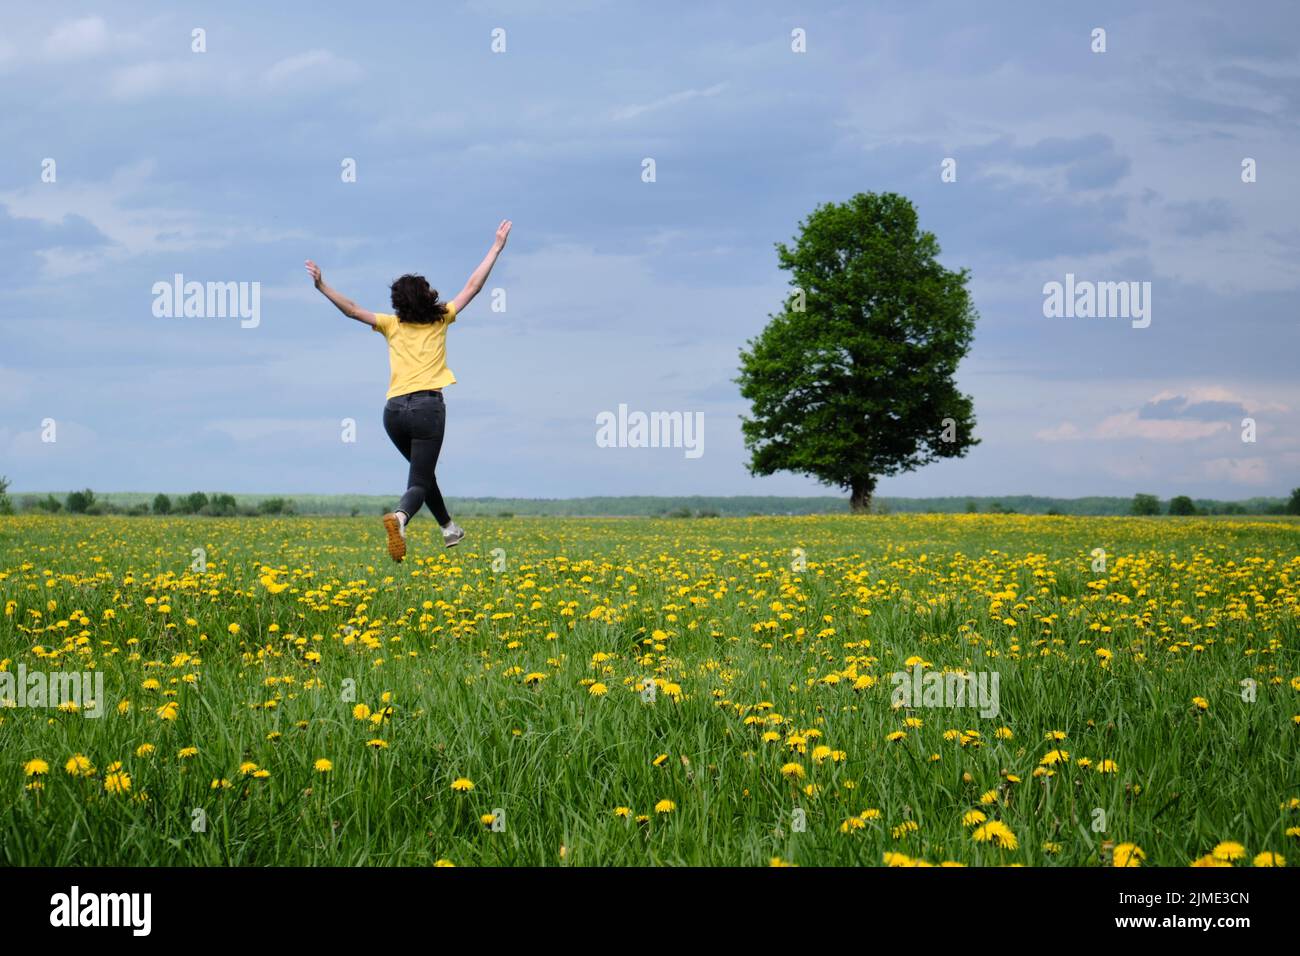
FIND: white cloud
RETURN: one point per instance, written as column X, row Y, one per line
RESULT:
column 685, row 96
column 313, row 68
column 1132, row 425
column 1241, row 471
column 1216, row 393
column 117, row 208
column 77, row 39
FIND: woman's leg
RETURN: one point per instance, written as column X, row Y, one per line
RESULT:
column 429, row 418
column 433, row 498
column 398, row 427
column 395, row 424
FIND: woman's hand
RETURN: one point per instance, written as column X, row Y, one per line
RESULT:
column 503, row 232
column 341, row 302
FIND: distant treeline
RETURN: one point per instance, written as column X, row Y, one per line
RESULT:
column 698, row 506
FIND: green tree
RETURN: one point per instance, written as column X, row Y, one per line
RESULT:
column 162, row 505
column 1293, row 506
column 1182, row 505
column 1145, row 505
column 220, row 505
column 853, row 380
column 6, row 506
column 194, row 502
column 79, row 502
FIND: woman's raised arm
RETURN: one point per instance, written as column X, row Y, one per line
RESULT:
column 479, row 276
column 342, row 302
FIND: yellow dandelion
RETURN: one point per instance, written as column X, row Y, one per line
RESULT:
column 1127, row 855
column 1228, row 850
column 117, row 782
column 1054, row 757
column 997, row 832
column 79, row 765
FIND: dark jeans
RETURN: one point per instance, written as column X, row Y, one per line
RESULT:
column 415, row 423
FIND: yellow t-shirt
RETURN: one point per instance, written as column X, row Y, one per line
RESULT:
column 417, row 352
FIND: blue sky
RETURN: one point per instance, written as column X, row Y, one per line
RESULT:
column 225, row 166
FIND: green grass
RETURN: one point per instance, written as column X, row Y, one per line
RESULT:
column 717, row 612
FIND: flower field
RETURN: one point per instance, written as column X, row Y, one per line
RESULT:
column 639, row 692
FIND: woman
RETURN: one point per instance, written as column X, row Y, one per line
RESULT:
column 415, row 416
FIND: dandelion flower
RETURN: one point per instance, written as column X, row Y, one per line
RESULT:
column 995, row 831
column 1128, row 854
column 79, row 765
column 1053, row 757
column 1228, row 850
column 118, row 782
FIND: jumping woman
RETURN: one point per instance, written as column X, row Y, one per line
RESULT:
column 415, row 415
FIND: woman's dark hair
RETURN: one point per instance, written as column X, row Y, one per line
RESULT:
column 414, row 301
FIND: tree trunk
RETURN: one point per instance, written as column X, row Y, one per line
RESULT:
column 860, row 499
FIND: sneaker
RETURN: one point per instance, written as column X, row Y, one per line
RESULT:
column 395, row 528
column 452, row 533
